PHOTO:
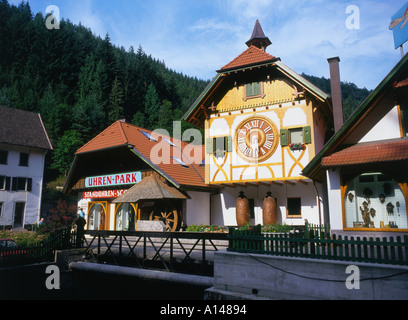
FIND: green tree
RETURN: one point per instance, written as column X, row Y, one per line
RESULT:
column 115, row 108
column 152, row 106
column 139, row 119
column 88, row 113
column 165, row 117
column 64, row 153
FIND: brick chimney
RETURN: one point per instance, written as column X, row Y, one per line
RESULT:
column 337, row 98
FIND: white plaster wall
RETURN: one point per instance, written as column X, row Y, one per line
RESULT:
column 294, row 117
column 198, row 208
column 334, row 199
column 387, row 128
column 32, row 199
column 224, row 204
column 219, row 127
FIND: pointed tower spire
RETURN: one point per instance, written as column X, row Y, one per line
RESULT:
column 258, row 38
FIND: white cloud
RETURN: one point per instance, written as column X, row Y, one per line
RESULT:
column 85, row 12
column 199, row 37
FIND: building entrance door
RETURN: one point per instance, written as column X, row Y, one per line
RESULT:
column 19, row 215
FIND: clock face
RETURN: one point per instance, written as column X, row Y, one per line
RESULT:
column 256, row 139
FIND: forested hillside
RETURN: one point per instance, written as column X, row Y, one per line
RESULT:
column 352, row 96
column 81, row 83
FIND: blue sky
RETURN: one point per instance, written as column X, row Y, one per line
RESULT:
column 197, row 37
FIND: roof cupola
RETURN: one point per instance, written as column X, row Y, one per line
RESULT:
column 258, row 38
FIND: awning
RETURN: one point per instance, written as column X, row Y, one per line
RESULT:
column 150, row 188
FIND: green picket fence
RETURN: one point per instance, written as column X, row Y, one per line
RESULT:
column 358, row 249
column 313, row 231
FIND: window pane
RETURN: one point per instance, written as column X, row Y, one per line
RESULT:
column 95, row 217
column 3, row 157
column 375, row 201
column 294, row 207
column 23, row 159
column 219, row 144
column 2, row 183
column 125, row 218
column 253, row 89
column 21, row 184
column 296, row 135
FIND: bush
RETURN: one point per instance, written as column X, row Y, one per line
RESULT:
column 60, row 217
column 23, row 239
column 205, row 228
column 276, row 228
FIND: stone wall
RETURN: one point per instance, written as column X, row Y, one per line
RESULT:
column 252, row 276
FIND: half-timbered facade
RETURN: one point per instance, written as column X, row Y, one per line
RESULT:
column 263, row 124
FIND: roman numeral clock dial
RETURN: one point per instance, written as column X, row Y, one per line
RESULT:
column 256, row 139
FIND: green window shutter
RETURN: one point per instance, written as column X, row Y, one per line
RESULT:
column 284, row 137
column 209, row 148
column 228, row 144
column 307, row 135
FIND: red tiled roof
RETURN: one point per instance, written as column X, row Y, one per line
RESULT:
column 369, row 152
column 113, row 136
column 251, row 56
column 121, row 134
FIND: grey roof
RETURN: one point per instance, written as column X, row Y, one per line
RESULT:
column 23, row 128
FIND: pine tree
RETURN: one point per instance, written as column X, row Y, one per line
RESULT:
column 165, row 117
column 115, row 109
column 139, row 119
column 152, row 106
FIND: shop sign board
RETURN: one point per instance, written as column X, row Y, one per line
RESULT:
column 399, row 26
column 113, row 180
column 103, row 194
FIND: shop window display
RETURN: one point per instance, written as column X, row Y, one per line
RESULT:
column 96, row 216
column 375, row 201
column 125, row 217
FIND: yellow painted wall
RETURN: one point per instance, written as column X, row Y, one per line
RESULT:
column 276, row 91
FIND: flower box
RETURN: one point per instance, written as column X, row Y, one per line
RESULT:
column 297, row 146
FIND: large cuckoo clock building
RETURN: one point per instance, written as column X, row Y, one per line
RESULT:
column 263, row 124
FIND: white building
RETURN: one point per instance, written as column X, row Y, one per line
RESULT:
column 365, row 164
column 23, row 145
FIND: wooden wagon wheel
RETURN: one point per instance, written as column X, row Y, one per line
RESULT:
column 169, row 216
